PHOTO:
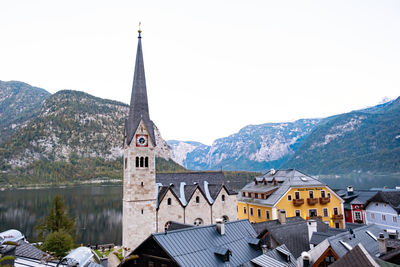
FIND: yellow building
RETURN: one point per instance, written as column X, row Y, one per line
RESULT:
column 292, row 191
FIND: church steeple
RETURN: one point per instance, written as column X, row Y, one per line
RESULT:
column 139, row 108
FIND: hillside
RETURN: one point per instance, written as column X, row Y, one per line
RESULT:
column 19, row 103
column 357, row 142
column 253, row 148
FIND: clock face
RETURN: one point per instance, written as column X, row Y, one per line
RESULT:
column 141, row 140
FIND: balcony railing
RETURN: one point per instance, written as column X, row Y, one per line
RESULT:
column 337, row 217
column 312, row 201
column 314, row 217
column 298, row 202
column 324, row 200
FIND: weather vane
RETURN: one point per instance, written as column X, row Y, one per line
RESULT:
column 140, row 30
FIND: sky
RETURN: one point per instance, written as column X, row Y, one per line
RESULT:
column 212, row 66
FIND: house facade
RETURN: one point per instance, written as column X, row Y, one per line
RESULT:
column 383, row 210
column 293, row 192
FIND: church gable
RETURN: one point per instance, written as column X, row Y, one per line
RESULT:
column 198, row 209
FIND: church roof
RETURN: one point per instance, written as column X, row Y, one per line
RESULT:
column 139, row 108
column 183, row 185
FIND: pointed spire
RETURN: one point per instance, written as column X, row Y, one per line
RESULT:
column 139, row 108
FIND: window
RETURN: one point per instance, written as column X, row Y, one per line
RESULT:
column 137, row 162
column 259, row 213
column 289, row 197
column 243, row 194
column 335, row 211
column 167, row 225
column 357, row 216
column 383, row 217
column 126, row 162
column 223, row 197
column 169, row 201
column 150, row 264
column 347, row 213
column 225, row 218
column 297, row 212
column 394, row 219
column 251, row 211
column 255, row 195
column 372, row 215
column 141, row 162
column 142, row 211
column 198, row 222
column 329, row 195
column 326, row 212
column 337, row 225
column 267, row 214
column 297, row 195
column 141, row 184
column 244, row 210
column 146, row 162
column 197, row 199
column 311, row 194
column 312, row 213
column 262, row 196
column 322, row 193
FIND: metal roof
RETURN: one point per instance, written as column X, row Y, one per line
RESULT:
column 196, row 246
column 390, row 197
column 279, row 256
column 357, row 257
column 281, row 181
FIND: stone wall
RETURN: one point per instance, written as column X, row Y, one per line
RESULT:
column 167, row 213
column 200, row 210
column 228, row 207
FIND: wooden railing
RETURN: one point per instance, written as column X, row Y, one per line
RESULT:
column 324, row 200
column 312, row 201
column 298, row 202
column 314, row 217
column 337, row 217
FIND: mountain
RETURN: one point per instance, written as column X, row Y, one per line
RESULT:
column 253, row 148
column 361, row 141
column 19, row 103
column 72, row 136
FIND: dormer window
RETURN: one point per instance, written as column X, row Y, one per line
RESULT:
column 223, row 197
column 243, row 194
column 197, row 199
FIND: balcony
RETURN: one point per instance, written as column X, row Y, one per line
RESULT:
column 298, row 202
column 324, row 200
column 337, row 217
column 314, row 217
column 312, row 201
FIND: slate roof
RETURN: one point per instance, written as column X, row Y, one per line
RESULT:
column 284, row 180
column 209, row 183
column 27, row 250
column 277, row 257
column 196, row 246
column 139, row 108
column 357, row 257
column 359, row 197
column 390, row 197
column 294, row 234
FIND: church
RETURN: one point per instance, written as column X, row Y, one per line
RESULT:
column 151, row 201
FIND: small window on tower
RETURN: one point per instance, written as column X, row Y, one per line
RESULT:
column 146, row 162
column 137, row 162
column 141, row 161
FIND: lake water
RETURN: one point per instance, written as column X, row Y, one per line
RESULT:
column 98, row 209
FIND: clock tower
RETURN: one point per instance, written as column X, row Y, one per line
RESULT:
column 139, row 184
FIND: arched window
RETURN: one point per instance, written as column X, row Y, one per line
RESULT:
column 137, row 162
column 141, row 161
column 146, row 162
column 223, row 197
column 169, row 201
column 167, row 224
column 198, row 222
column 142, row 211
column 197, row 199
column 225, row 218
column 142, row 184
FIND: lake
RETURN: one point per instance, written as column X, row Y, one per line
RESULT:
column 98, row 209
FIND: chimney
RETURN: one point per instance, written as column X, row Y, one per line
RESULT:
column 306, row 259
column 220, row 226
column 382, row 244
column 264, row 249
column 282, row 216
column 312, row 227
column 350, row 190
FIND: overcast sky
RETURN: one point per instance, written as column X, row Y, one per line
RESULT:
column 212, row 67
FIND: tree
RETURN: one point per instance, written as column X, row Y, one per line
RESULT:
column 58, row 220
column 59, row 242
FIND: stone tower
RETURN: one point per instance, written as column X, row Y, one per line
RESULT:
column 139, row 185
